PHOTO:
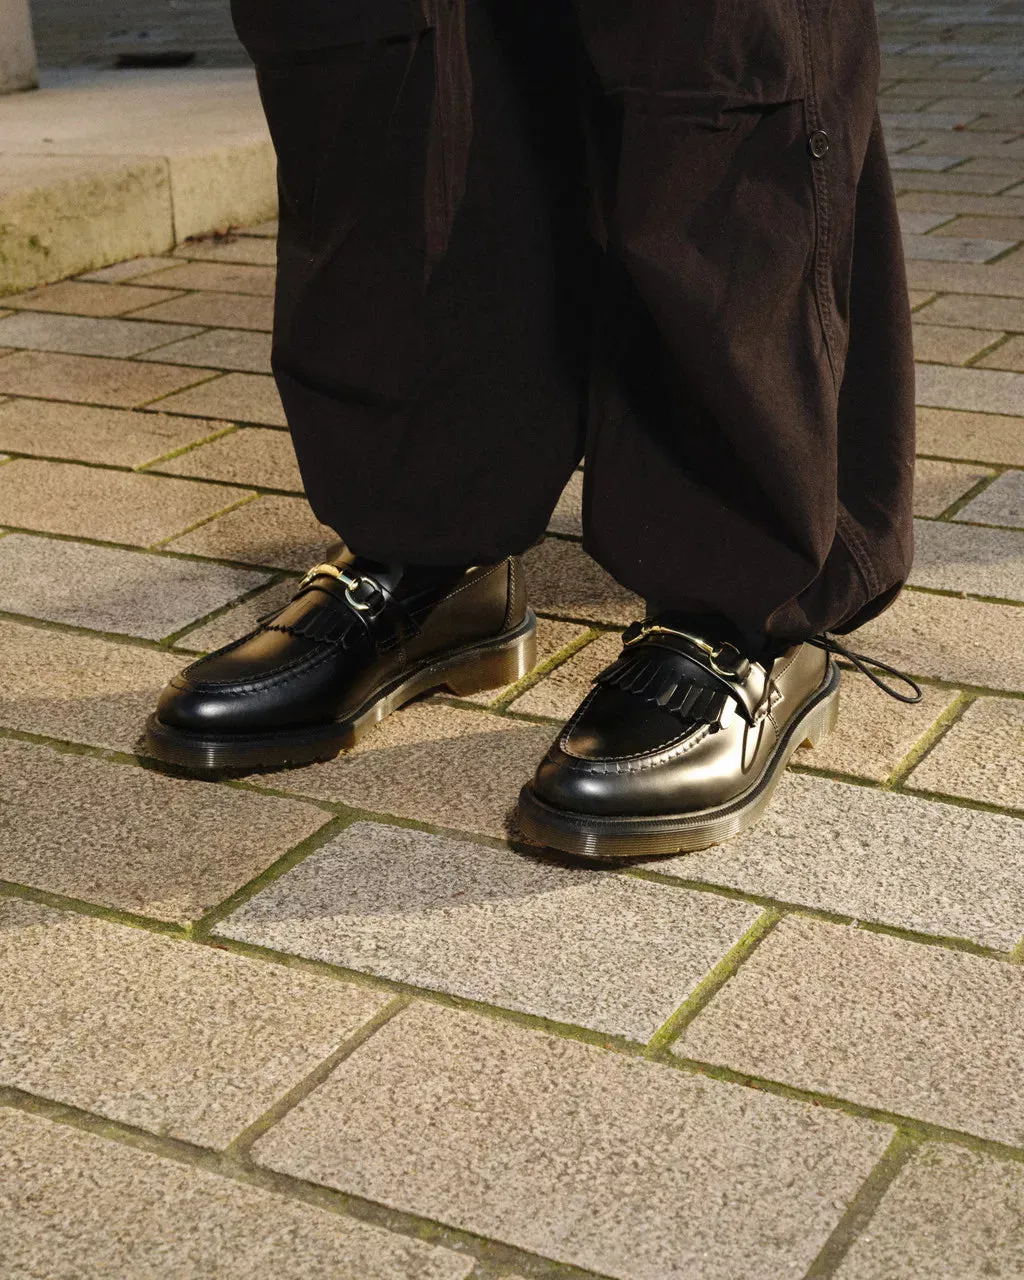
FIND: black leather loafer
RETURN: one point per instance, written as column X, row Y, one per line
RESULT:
column 679, row 747
column 357, row 641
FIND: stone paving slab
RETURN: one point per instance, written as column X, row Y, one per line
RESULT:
column 981, row 758
column 630, row 1168
column 109, row 589
column 958, row 557
column 576, row 946
column 947, row 345
column 112, row 834
column 78, row 298
column 438, row 764
column 567, row 517
column 125, row 271
column 186, row 1041
column 122, row 384
column 215, row 278
column 892, row 859
column 237, row 349
column 950, row 1214
column 79, row 688
column 86, row 336
column 239, row 620
column 254, row 250
column 949, row 639
column 980, row 390
column 242, row 397
column 980, row 436
column 114, row 506
column 560, row 693
column 921, row 1031
column 552, row 638
column 562, row 579
column 982, row 312
column 84, row 1205
column 273, row 530
column 249, row 456
column 232, row 311
column 1002, row 502
column 83, row 433
column 937, row 485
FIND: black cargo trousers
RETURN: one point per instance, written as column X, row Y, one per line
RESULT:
column 657, row 233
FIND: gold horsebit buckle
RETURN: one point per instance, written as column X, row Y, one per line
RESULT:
column 346, row 579
column 724, row 659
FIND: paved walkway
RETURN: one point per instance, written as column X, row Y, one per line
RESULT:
column 325, row 1023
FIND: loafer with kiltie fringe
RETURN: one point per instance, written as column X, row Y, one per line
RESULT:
column 680, row 745
column 357, row 641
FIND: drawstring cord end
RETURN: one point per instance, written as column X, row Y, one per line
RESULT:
column 832, row 646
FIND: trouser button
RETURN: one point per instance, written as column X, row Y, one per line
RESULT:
column 817, row 143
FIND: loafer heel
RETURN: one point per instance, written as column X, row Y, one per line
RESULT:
column 822, row 720
column 495, row 667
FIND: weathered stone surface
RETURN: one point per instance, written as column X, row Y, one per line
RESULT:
column 242, row 397
column 937, row 485
column 73, row 297
column 946, row 345
column 611, row 1163
column 949, row 1213
column 984, row 437
column 560, row 693
column 86, row 335
column 250, row 456
column 231, row 310
column 577, row 946
column 981, row 757
column 215, row 277
column 184, row 1040
column 565, row 581
column 122, row 384
column 107, row 589
column 981, row 390
column 273, row 530
column 921, row 1031
column 1002, row 502
column 83, row 1205
column 238, row 349
column 552, row 637
column 958, row 557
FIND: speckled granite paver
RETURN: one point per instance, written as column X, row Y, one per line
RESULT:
column 950, row 1215
column 182, row 1040
column 274, row 530
column 922, row 1031
column 957, row 557
column 578, row 946
column 1002, row 502
column 630, row 1168
column 251, row 456
column 114, row 835
column 982, row 756
column 82, row 1205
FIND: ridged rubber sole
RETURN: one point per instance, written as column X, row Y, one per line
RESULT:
column 594, row 836
column 489, row 664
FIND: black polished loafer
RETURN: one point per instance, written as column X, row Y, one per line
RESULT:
column 357, row 641
column 679, row 747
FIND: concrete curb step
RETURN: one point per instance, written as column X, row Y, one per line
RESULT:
column 99, row 166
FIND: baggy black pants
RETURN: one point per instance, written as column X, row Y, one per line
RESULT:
column 660, row 233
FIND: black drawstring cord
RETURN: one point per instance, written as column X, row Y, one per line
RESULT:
column 831, row 645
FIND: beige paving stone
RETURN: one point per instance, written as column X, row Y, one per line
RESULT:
column 996, row 165
column 960, row 557
column 130, row 270
column 874, row 732
column 564, row 580
column 981, row 757
column 919, row 297
column 986, row 437
column 561, row 692
column 122, row 384
column 551, row 638
column 180, row 1039
column 87, row 434
column 109, row 834
column 917, row 180
column 79, row 688
column 999, row 228
column 238, row 620
column 973, row 311
column 114, row 506
column 83, row 1205
column 440, row 764
column 1001, row 503
column 85, row 335
column 277, row 531
column 258, row 251
column 899, row 860
column 623, row 1166
column 215, row 277
column 239, row 349
column 950, row 1213
column 567, row 516
column 262, row 229
column 922, row 1031
column 937, row 485
column 980, row 390
column 958, row 202
column 73, row 297
column 950, row 248
column 576, row 946
column 1008, row 355
column 950, row 639
column 251, row 456
column 232, row 311
column 242, row 397
column 912, row 160
column 107, row 589
column 1004, row 279
column 946, row 345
